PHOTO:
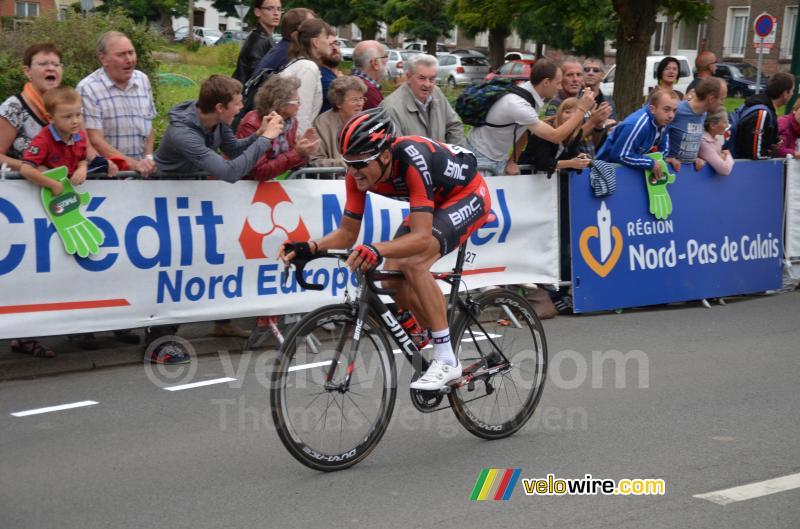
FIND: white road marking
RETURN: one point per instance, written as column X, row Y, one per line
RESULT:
column 60, row 407
column 310, row 366
column 752, row 490
column 200, row 384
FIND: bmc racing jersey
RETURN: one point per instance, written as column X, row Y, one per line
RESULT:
column 436, row 178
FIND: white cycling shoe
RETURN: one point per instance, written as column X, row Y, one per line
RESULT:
column 437, row 376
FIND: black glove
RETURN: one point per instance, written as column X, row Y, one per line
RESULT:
column 300, row 249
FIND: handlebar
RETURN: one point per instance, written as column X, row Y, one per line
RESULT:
column 300, row 262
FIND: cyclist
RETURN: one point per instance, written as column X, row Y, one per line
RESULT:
column 448, row 200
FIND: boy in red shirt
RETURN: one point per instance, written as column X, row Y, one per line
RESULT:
column 62, row 142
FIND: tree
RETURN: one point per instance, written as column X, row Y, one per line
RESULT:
column 160, row 11
column 366, row 14
column 637, row 22
column 475, row 16
column 419, row 19
column 579, row 26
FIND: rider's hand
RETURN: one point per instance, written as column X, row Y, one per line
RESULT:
column 295, row 249
column 364, row 257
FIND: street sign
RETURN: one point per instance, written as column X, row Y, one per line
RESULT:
column 764, row 25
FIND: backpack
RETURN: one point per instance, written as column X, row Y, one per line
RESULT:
column 735, row 119
column 474, row 103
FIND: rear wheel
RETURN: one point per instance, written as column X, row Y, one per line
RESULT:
column 504, row 357
column 324, row 422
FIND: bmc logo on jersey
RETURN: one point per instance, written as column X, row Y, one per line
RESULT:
column 272, row 219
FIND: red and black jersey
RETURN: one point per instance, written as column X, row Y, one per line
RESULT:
column 425, row 172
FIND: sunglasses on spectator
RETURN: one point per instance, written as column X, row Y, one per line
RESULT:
column 360, row 164
column 594, row 69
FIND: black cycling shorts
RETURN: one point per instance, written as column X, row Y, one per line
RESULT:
column 455, row 220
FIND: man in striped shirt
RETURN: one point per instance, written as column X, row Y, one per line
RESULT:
column 118, row 107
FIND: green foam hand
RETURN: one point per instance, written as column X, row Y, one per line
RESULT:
column 660, row 202
column 79, row 235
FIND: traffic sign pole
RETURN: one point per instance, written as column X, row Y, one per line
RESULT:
column 759, row 63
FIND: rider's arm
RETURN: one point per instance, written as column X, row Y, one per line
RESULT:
column 344, row 236
column 412, row 243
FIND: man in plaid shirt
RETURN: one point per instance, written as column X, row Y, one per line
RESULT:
column 118, row 107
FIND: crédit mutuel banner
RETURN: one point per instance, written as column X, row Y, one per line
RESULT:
column 179, row 251
column 722, row 236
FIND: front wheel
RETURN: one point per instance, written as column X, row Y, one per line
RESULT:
column 503, row 351
column 324, row 421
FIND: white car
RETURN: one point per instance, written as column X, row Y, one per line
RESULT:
column 421, row 46
column 684, row 77
column 346, row 47
column 210, row 36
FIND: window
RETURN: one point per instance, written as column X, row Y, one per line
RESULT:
column 736, row 29
column 657, row 42
column 787, row 32
column 506, row 68
column 687, row 35
column 518, row 69
column 27, row 9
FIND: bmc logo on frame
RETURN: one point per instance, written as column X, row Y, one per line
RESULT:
column 495, row 484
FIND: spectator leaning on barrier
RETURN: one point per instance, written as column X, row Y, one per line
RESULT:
column 789, row 129
column 547, row 157
column 371, row 63
column 686, row 130
column 279, row 95
column 22, row 116
column 642, row 132
column 705, row 66
column 756, row 135
column 278, row 56
column 346, row 95
column 259, row 42
column 310, row 43
column 329, row 70
column 419, row 108
column 118, row 106
column 197, row 128
column 492, row 145
column 711, row 151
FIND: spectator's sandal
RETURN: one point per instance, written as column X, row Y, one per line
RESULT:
column 32, row 347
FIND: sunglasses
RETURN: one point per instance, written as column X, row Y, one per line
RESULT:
column 592, row 69
column 360, row 164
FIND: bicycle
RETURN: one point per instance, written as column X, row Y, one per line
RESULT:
column 339, row 359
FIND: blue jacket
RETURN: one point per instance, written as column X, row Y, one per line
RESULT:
column 632, row 139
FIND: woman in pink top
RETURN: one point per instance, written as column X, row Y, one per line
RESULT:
column 711, row 150
column 789, row 129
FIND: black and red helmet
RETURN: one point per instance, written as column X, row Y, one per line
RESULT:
column 366, row 133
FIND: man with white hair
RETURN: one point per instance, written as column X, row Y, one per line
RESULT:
column 370, row 63
column 419, row 108
column 118, row 105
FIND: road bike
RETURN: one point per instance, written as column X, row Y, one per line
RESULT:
column 335, row 381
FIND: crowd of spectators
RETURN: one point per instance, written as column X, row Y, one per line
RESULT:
column 559, row 121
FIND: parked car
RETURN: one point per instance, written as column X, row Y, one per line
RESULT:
column 468, row 52
column 232, row 35
column 684, row 76
column 519, row 70
column 519, row 56
column 397, row 60
column 181, row 33
column 461, row 69
column 209, row 35
column 346, row 47
column 741, row 78
column 420, row 46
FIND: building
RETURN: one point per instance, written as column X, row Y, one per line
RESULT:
column 206, row 16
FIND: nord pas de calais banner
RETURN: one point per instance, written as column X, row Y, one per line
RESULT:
column 723, row 237
column 178, row 251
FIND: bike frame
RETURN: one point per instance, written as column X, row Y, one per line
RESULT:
column 369, row 298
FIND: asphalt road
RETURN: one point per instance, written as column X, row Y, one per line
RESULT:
column 710, row 401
